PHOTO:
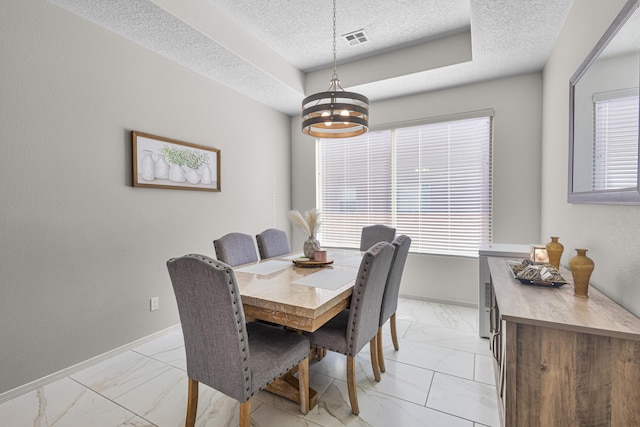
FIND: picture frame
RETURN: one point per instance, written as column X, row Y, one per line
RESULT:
column 160, row 162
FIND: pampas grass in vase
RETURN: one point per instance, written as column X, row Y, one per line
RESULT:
column 309, row 223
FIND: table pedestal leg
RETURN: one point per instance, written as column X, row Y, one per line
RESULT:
column 287, row 387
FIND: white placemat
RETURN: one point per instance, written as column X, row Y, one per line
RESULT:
column 294, row 256
column 327, row 279
column 265, row 268
column 352, row 261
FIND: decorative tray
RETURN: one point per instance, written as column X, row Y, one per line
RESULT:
column 306, row 262
column 549, row 276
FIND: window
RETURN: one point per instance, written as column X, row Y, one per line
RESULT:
column 615, row 148
column 431, row 182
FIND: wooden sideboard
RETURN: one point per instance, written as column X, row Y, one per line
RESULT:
column 561, row 360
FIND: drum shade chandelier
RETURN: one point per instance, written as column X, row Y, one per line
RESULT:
column 335, row 113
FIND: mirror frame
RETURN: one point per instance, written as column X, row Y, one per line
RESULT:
column 627, row 196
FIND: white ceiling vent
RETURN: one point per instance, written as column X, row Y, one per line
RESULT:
column 356, row 38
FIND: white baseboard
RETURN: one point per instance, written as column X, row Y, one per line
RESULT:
column 40, row 382
column 440, row 301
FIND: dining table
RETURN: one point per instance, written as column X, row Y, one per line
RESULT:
column 298, row 294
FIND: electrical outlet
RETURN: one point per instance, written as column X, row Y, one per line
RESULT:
column 155, row 303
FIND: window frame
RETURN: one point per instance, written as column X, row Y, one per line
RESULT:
column 486, row 214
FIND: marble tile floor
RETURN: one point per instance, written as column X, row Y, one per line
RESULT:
column 441, row 376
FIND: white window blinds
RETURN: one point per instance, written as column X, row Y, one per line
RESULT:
column 431, row 182
column 354, row 186
column 615, row 155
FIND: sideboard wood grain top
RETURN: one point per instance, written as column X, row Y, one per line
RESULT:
column 559, row 308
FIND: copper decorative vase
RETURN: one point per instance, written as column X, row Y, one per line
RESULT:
column 581, row 267
column 554, row 251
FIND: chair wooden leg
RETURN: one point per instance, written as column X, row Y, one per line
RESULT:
column 245, row 414
column 380, row 352
column 192, row 403
column 373, row 350
column 351, row 385
column 394, row 334
column 303, row 385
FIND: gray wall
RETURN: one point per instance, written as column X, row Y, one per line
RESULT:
column 611, row 233
column 516, row 213
column 82, row 251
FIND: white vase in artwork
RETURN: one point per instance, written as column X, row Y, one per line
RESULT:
column 176, row 174
column 205, row 174
column 192, row 175
column 162, row 167
column 148, row 166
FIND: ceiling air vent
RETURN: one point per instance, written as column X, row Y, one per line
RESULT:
column 356, row 38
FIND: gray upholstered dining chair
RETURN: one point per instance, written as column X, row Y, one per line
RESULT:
column 272, row 242
column 223, row 351
column 235, row 249
column 349, row 331
column 374, row 234
column 390, row 298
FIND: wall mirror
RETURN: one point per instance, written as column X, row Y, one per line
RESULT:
column 603, row 120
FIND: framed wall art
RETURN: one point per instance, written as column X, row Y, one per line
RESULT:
column 168, row 163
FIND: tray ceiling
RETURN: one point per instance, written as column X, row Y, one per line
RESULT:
column 278, row 51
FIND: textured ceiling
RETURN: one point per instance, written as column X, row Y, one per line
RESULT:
column 274, row 51
column 302, row 31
